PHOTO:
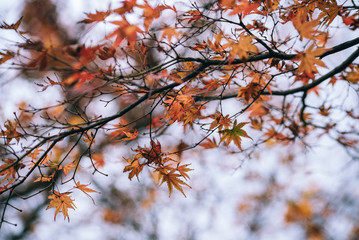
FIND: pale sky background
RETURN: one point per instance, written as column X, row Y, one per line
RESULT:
column 325, row 166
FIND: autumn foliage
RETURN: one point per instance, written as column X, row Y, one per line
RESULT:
column 234, row 75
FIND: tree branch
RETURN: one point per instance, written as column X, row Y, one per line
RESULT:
column 313, row 84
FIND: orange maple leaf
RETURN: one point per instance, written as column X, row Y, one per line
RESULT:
column 10, row 132
column 6, row 56
column 242, row 48
column 127, row 6
column 78, row 79
column 244, row 8
column 89, row 138
column 9, row 172
column 134, row 168
column 172, row 179
column 220, row 121
column 13, row 26
column 96, row 17
column 98, row 160
column 150, row 13
column 170, row 32
column 216, row 45
column 45, row 178
column 234, row 134
column 330, row 11
column 46, row 159
column 183, row 169
column 209, row 143
column 306, row 29
column 353, row 76
column 124, row 31
column 86, row 190
column 152, row 154
column 33, row 155
column 67, row 168
column 129, row 135
column 309, row 60
column 106, row 53
column 194, row 15
column 124, row 133
column 62, row 202
column 250, row 91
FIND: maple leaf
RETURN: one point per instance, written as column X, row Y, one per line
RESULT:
column 46, row 159
column 234, row 134
column 250, row 91
column 199, row 46
column 106, row 53
column 6, row 56
column 50, row 83
column 274, row 136
column 86, row 190
column 330, row 11
column 124, row 133
column 194, row 15
column 78, row 79
column 152, row 154
column 126, row 31
column 183, row 169
column 99, row 160
column 298, row 211
column 170, row 32
column 14, row 26
column 96, row 17
column 244, row 8
column 242, row 48
column 156, row 122
column 67, row 168
column 127, row 6
column 62, row 202
column 258, row 109
column 150, row 13
column 306, row 29
column 209, row 143
column 10, row 132
column 182, row 108
column 172, row 179
column 216, row 46
column 309, row 60
column 9, row 172
column 353, row 76
column 129, row 135
column 220, row 121
column 33, row 155
column 134, row 168
column 45, row 178
column 41, row 61
column 89, row 138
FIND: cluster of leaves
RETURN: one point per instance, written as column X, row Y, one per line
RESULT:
column 164, row 170
column 179, row 73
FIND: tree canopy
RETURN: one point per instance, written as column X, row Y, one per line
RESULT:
column 143, row 87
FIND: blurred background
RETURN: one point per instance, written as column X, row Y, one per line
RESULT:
column 278, row 192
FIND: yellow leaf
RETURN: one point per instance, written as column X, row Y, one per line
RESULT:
column 67, row 168
column 62, row 202
column 85, row 189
